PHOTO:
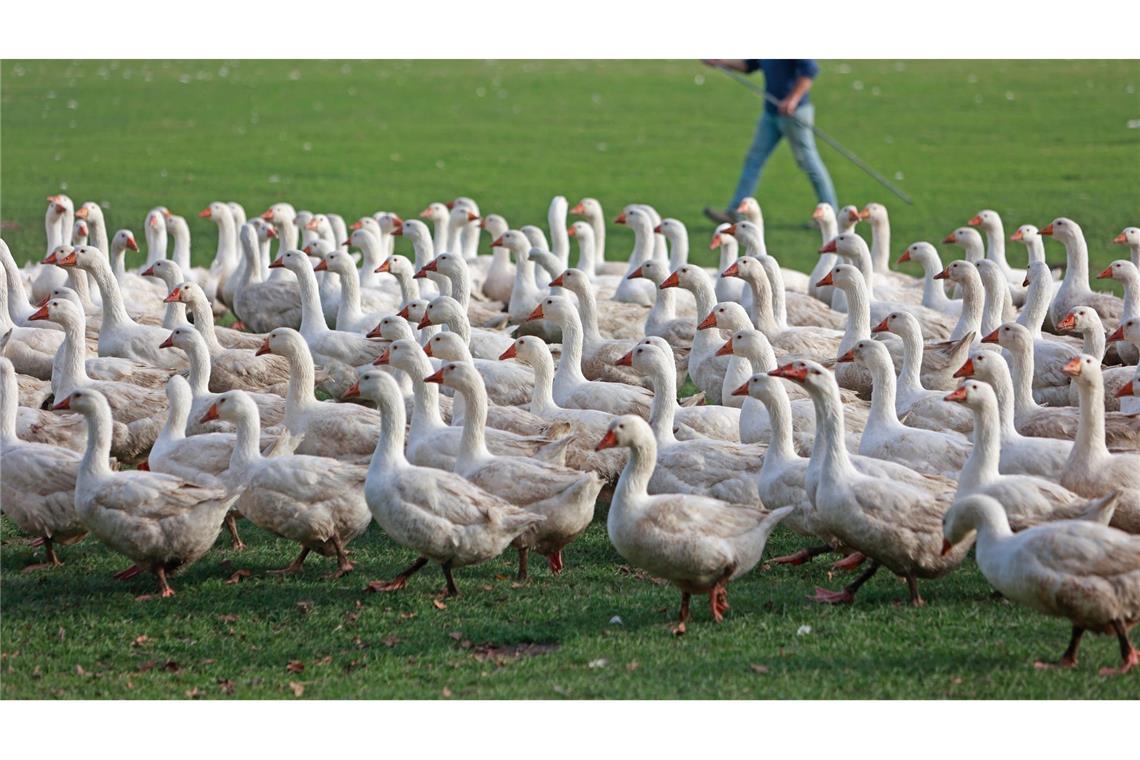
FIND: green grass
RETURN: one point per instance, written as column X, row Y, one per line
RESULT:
column 397, row 135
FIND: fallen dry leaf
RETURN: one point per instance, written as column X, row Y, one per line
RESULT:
column 79, row 671
column 141, row 640
column 326, row 660
column 391, row 641
column 305, row 606
column 446, row 693
column 407, row 615
column 170, row 666
column 226, row 685
column 295, row 666
column 758, row 669
column 148, row 665
column 297, row 687
column 456, row 635
column 194, row 693
column 228, row 618
column 632, row 666
column 439, row 605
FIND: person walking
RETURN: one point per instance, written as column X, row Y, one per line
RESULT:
column 788, row 81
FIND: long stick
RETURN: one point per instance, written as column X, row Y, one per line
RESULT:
column 867, row 168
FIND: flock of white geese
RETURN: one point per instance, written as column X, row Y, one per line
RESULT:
column 475, row 402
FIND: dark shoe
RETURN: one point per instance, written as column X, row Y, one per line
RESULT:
column 720, row 217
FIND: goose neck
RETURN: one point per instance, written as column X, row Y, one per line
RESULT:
column 97, row 455
column 474, row 442
column 204, row 323
column 69, row 370
column 302, row 379
column 542, row 398
column 981, row 466
column 633, row 483
column 970, row 319
column 1036, row 305
column 779, row 294
column 882, row 414
column 570, row 364
column 588, row 310
column 762, row 303
column 1021, row 368
column 389, row 452
column 1077, row 258
column 1090, row 442
column 114, row 310
column 880, row 245
column 780, row 447
column 858, row 314
column 312, row 316
column 663, row 409
column 829, row 447
column 910, row 371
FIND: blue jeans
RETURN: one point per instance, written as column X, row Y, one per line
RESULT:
column 769, row 131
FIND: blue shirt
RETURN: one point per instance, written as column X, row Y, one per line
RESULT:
column 780, row 75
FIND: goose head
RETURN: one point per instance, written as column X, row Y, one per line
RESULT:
column 89, row 402
column 440, row 310
column 338, row 262
column 843, row 276
column 689, row 277
column 761, row 387
column 969, row 239
column 749, row 208
column 216, row 212
column 1011, row 336
column 89, row 210
column 295, row 261
column 188, row 292
column 986, row 219
column 283, row 341
column 529, row 350
column 556, row 309
column 627, row 431
column 61, row 310
column 638, row 219
column 79, row 232
column 849, row 245
column 847, row 218
column 875, row 214
column 279, row 213
column 574, row 280
column 58, row 205
column 514, row 240
column 581, row 229
column 437, row 212
column 652, row 270
column 1084, row 369
column 414, row 310
column 983, row 364
column 673, row 230
column 386, row 221
column 1064, row 230
column 263, row 229
column 966, row 515
column 960, row 271
column 974, row 394
column 649, row 358
column 86, row 257
column 372, row 225
column 1128, row 330
column 1121, row 269
column 397, row 265
column 1128, row 236
column 1081, row 319
column 360, row 237
column 123, row 240
column 495, row 225
column 722, row 237
column 447, row 346
column 747, row 342
column 811, row 375
column 726, row 315
column 462, row 376
column 404, row 354
column 393, row 327
column 450, row 264
column 1026, row 233
column 185, row 338
column 232, row 406
column 58, row 254
column 747, row 233
column 376, row 386
column 867, row 353
column 899, row 323
column 823, row 215
column 922, row 253
column 747, row 268
column 588, row 207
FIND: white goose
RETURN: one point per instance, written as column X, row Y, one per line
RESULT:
column 1075, row 290
column 663, row 319
column 989, row 222
column 1128, row 275
column 563, row 496
column 1075, row 569
column 697, row 543
column 317, row 502
column 440, row 515
column 1085, row 322
column 263, row 301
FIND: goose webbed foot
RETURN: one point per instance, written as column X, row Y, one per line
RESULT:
column 293, row 567
column 1069, row 658
column 52, row 559
column 164, row 587
column 683, row 615
column 1129, row 655
column 850, row 562
column 400, row 580
column 718, row 602
column 847, row 594
column 235, row 540
column 802, row 556
column 555, row 562
column 343, row 563
column 916, row 599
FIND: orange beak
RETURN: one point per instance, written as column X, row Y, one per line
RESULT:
column 672, row 281
column 947, row 547
column 741, row 391
column 312, row 224
column 732, row 270
column 81, row 212
column 267, row 214
column 472, row 216
column 427, row 350
column 1106, row 274
column 951, row 238
column 829, row 247
column 1125, row 390
column 1119, row 239
column 174, row 296
column 144, row 466
column 211, row 413
column 450, row 205
column 966, row 370
column 40, row 313
column 557, row 281
column 943, row 275
column 356, row 225
column 958, row 394
column 322, row 266
column 657, row 229
column 729, row 230
column 49, row 259
column 271, row 233
column 715, row 242
column 609, row 441
column 579, row 209
column 626, row 360
column 853, row 215
column 1025, row 282
column 790, row 372
column 1116, row 335
column 168, row 343
column 726, row 349
column 741, row 207
column 827, row 280
column 975, row 221
column 67, row 261
column 1048, row 229
column 277, row 263
column 435, row 378
column 65, row 404
column 511, row 352
column 426, row 213
column 536, row 314
column 865, row 214
column 1068, row 322
column 308, row 250
column 385, row 357
column 904, row 258
column 403, row 313
column 384, row 265
column 570, row 231
column 398, row 228
column 882, row 326
column 707, row 322
column 991, row 338
column 263, row 348
column 1016, row 236
column 497, row 242
column 1072, row 367
column 353, row 391
column 148, row 272
column 425, row 321
column 635, row 274
column 206, row 213
column 620, row 218
column 847, row 357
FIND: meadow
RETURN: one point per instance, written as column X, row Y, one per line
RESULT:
column 1033, row 140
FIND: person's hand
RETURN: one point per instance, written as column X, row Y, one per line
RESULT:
column 713, row 61
column 788, row 105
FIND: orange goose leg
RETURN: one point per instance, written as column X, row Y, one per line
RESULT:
column 847, row 595
column 400, row 580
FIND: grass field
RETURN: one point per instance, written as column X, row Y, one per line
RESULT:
column 1032, row 140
